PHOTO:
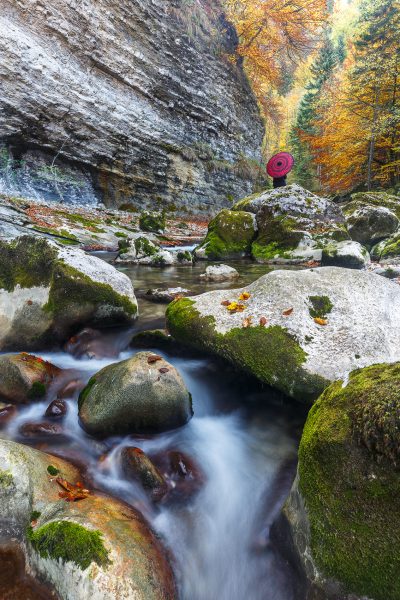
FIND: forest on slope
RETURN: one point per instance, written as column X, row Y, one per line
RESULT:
column 326, row 74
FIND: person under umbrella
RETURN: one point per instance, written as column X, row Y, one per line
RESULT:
column 278, row 167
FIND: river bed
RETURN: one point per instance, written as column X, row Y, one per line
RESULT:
column 243, row 437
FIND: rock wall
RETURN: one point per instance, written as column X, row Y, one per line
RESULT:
column 129, row 101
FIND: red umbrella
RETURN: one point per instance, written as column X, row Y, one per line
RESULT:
column 280, row 164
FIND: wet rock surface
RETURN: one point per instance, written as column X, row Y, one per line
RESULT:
column 39, row 431
column 96, row 547
column 183, row 476
column 166, row 296
column 25, row 378
column 56, row 409
column 138, row 466
column 142, row 394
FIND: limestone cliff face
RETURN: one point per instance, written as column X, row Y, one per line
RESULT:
column 124, row 101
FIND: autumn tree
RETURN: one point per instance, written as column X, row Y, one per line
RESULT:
column 305, row 125
column 356, row 136
column 273, row 36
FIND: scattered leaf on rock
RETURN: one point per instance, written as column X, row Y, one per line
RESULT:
column 153, row 358
column 72, row 492
column 236, row 307
column 244, row 296
column 320, row 321
column 263, row 321
column 163, row 370
column 287, row 312
column 225, row 302
column 247, row 322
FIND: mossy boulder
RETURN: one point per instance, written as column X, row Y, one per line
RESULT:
column 344, row 509
column 48, row 291
column 369, row 223
column 143, row 251
column 277, row 336
column 140, row 395
column 25, row 378
column 349, row 254
column 383, row 199
column 388, row 250
column 96, row 548
column 230, row 235
column 152, row 222
column 293, row 224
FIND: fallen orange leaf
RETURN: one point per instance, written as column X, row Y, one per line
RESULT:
column 232, row 306
column 72, row 492
column 320, row 321
column 263, row 321
column 225, row 303
column 153, row 358
column 247, row 322
column 244, row 296
column 287, row 312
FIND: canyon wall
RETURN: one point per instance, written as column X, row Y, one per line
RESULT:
column 134, row 101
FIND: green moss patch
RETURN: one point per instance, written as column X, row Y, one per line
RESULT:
column 69, row 542
column 390, row 248
column 52, row 470
column 278, row 236
column 85, row 392
column 154, row 222
column 351, row 485
column 90, row 224
column 321, row 306
column 38, row 390
column 184, row 256
column 6, row 478
column 274, row 346
column 230, row 234
column 70, row 287
column 145, row 246
column 27, row 262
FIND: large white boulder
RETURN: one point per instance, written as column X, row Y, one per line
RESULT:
column 47, row 291
column 298, row 330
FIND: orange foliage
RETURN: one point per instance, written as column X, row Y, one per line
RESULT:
column 274, row 35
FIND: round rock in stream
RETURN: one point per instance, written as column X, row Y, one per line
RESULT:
column 137, row 465
column 24, row 377
column 144, row 394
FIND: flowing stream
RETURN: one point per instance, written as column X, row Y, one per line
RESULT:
column 243, row 439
